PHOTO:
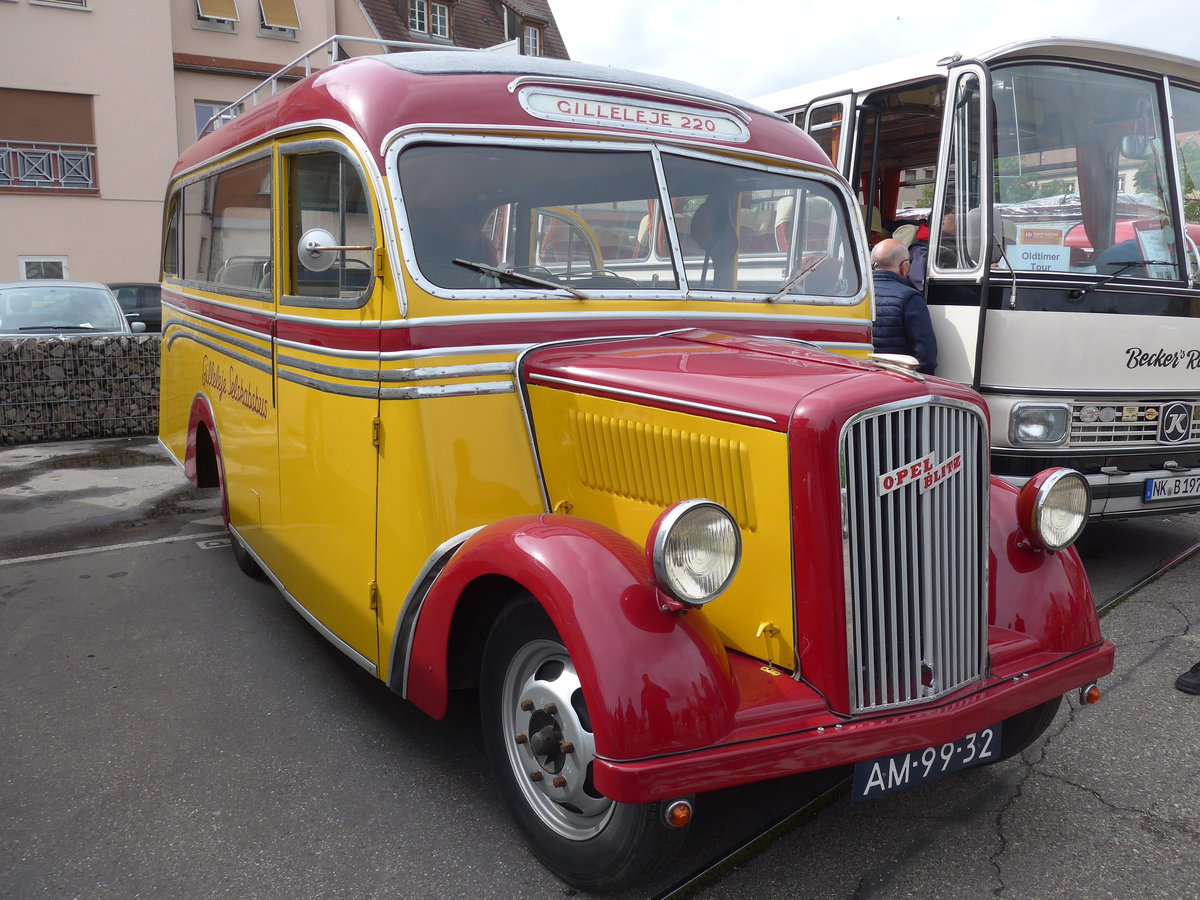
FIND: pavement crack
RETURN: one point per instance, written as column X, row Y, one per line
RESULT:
column 1001, row 838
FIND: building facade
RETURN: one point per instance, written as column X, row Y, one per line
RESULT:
column 88, row 136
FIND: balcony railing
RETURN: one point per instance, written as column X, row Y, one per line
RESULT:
column 61, row 167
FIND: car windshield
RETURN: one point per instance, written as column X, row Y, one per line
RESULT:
column 602, row 221
column 54, row 308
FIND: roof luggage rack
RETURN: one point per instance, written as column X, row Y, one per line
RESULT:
column 302, row 66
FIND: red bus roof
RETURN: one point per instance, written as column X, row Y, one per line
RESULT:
column 375, row 95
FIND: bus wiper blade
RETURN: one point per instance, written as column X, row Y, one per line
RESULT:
column 795, row 280
column 517, row 277
column 1107, row 279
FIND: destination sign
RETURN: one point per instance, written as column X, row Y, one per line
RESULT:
column 619, row 112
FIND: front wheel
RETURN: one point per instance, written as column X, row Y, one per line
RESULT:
column 1021, row 730
column 541, row 747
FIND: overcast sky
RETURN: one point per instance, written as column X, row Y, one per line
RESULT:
column 749, row 49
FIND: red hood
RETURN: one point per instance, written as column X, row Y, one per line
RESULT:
column 724, row 376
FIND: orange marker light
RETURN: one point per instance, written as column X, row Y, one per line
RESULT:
column 678, row 814
column 1092, row 694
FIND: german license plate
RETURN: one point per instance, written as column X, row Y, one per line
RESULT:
column 888, row 774
column 1175, row 487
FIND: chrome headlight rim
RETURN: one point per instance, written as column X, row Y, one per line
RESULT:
column 658, row 547
column 1036, row 497
column 1016, row 440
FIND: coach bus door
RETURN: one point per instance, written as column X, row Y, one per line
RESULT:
column 959, row 268
column 826, row 122
column 327, row 383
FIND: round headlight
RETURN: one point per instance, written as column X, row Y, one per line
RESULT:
column 694, row 550
column 1053, row 507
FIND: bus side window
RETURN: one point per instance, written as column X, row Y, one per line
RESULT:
column 326, row 191
column 170, row 253
column 227, row 228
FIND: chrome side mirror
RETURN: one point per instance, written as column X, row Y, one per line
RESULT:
column 318, row 249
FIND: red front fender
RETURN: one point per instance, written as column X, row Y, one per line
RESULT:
column 1042, row 596
column 654, row 682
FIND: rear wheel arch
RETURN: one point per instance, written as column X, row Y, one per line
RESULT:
column 208, row 470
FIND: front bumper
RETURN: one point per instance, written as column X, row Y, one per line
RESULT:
column 830, row 741
column 1117, row 478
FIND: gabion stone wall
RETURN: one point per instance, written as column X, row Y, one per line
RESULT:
column 76, row 386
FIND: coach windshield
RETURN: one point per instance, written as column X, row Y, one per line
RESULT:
column 1082, row 178
column 491, row 220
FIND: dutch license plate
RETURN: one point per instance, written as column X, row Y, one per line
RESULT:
column 878, row 777
column 1176, row 487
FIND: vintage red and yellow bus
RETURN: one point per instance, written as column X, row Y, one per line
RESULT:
column 516, row 374
column 1059, row 182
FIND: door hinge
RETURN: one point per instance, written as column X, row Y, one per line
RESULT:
column 379, row 262
column 376, row 430
column 373, row 593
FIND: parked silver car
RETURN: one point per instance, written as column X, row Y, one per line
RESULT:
column 54, row 306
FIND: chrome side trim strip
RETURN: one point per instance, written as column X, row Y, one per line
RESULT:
column 262, row 366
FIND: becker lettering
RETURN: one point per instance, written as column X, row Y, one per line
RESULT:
column 1138, row 358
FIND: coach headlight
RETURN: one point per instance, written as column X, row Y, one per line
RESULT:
column 1053, row 508
column 694, row 549
column 1039, row 423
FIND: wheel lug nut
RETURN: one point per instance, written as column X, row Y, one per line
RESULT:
column 550, row 709
column 559, row 781
column 535, row 775
column 522, row 738
column 566, row 747
column 527, row 706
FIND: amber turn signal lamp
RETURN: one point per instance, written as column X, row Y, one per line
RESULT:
column 1089, row 694
column 678, row 813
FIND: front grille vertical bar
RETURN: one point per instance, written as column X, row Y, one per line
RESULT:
column 929, row 613
column 890, row 596
column 867, row 579
column 950, row 539
column 904, row 583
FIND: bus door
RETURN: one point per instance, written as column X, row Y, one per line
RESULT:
column 826, row 122
column 959, row 269
column 327, row 381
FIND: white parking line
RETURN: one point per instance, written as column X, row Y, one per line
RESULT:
column 85, row 550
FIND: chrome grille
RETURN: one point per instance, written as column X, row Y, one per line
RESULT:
column 915, row 551
column 1124, row 422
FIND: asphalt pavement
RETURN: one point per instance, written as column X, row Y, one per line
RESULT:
column 152, row 744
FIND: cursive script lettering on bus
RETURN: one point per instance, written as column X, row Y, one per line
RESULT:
column 1137, row 358
column 232, row 386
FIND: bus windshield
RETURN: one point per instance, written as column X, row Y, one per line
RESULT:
column 1081, row 174
column 482, row 216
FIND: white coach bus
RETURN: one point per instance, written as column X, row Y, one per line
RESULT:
column 1058, row 182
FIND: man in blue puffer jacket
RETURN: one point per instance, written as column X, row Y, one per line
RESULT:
column 901, row 317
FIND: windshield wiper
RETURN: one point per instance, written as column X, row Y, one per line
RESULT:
column 795, row 280
column 517, row 277
column 1107, row 279
column 57, row 328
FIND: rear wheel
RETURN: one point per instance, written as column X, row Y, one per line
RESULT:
column 245, row 561
column 540, row 745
